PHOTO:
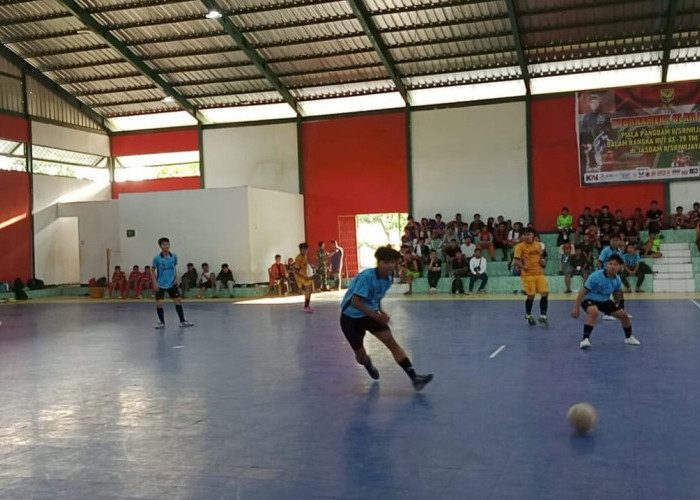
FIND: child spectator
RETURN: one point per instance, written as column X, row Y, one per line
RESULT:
column 118, row 282
column 477, row 270
column 460, row 269
column 206, row 280
column 565, row 224
column 652, row 246
column 434, row 272
column 278, row 276
column 225, row 278
column 680, row 220
column 633, row 266
column 578, row 265
column 566, row 250
column 134, row 282
column 486, row 242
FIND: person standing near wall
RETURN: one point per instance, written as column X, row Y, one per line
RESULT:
column 303, row 274
column 322, row 265
column 337, row 264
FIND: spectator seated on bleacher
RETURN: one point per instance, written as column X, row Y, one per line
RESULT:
column 577, row 265
column 291, row 281
column 585, row 220
column 619, row 222
column 694, row 215
column 225, row 278
column 486, row 242
column 118, row 282
column 633, row 266
column 655, row 219
column 629, row 233
column 279, row 276
column 468, row 248
column 189, row 279
column 410, row 268
column 434, row 271
column 206, row 281
column 135, row 282
column 500, row 239
column 477, row 272
column 565, row 226
column 449, row 252
column 460, row 269
column 146, row 281
column 680, row 220
column 476, row 224
column 652, row 246
column 422, row 251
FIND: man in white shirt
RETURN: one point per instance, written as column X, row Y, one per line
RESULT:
column 477, row 266
column 468, row 248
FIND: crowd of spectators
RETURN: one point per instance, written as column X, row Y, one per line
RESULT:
column 459, row 248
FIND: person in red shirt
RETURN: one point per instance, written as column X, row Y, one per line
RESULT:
column 486, row 242
column 500, row 239
column 279, row 276
column 146, row 282
column 118, row 282
column 135, row 282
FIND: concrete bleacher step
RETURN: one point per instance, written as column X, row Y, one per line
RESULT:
column 682, row 285
column 662, row 267
column 672, row 260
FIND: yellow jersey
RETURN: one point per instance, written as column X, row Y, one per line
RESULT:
column 530, row 254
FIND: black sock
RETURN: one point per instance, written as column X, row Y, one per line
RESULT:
column 528, row 305
column 307, row 301
column 161, row 314
column 544, row 301
column 368, row 363
column 628, row 332
column 408, row 368
column 621, row 303
column 180, row 312
column 587, row 330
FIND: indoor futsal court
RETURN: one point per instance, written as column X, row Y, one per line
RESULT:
column 349, row 249
column 97, row 405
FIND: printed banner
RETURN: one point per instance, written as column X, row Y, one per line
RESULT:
column 636, row 134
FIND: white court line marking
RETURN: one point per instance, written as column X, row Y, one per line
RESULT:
column 498, row 351
column 694, row 302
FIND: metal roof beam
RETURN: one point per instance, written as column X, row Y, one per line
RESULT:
column 41, row 36
column 101, row 78
column 89, row 64
column 63, row 51
column 277, row 6
column 205, row 67
column 568, row 8
column 54, row 87
column 118, row 7
column 365, row 19
column 135, row 88
column 126, row 102
column 428, row 6
column 234, row 32
column 668, row 37
column 128, row 55
column 522, row 61
column 191, row 53
column 34, row 19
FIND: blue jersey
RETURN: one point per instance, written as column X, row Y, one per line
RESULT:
column 164, row 268
column 608, row 252
column 631, row 259
column 370, row 287
column 600, row 286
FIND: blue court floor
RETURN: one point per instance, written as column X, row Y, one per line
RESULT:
column 262, row 401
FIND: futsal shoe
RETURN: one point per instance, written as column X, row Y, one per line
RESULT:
column 372, row 370
column 585, row 344
column 608, row 318
column 308, row 309
column 530, row 320
column 185, row 324
column 159, row 326
column 632, row 340
column 421, row 381
column 543, row 320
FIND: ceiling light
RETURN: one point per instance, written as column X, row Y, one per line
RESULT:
column 168, row 98
column 213, row 14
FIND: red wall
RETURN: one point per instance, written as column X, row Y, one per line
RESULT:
column 151, row 143
column 155, row 142
column 149, row 186
column 352, row 166
column 15, row 238
column 555, row 174
column 14, row 128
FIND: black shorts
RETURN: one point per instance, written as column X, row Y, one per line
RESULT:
column 355, row 328
column 205, row 285
column 173, row 292
column 608, row 307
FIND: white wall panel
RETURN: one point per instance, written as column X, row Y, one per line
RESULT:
column 265, row 210
column 202, row 225
column 98, row 228
column 684, row 194
column 55, row 136
column 262, row 156
column 56, row 252
column 471, row 159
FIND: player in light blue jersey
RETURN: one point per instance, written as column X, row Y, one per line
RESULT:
column 164, row 278
column 362, row 311
column 594, row 298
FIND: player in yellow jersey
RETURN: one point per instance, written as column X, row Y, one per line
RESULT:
column 530, row 258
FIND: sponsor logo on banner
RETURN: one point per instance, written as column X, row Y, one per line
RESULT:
column 591, row 177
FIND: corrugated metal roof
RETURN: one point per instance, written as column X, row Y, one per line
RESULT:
column 318, row 47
